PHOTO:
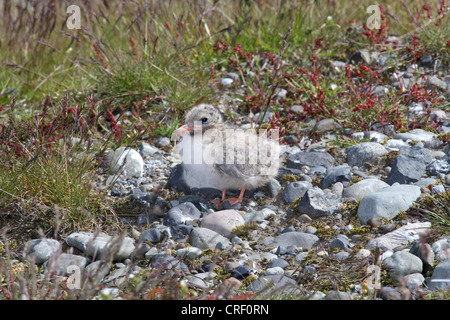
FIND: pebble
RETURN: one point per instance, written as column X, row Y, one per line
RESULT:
column 364, row 187
column 440, row 280
column 310, row 159
column 274, row 271
column 401, row 236
column 364, row 152
column 223, row 222
column 274, row 285
column 414, row 280
column 125, row 161
column 315, row 203
column 65, row 264
column 402, row 263
column 325, row 125
column 167, row 262
column 410, row 165
column 205, row 238
column 441, row 249
column 226, row 82
column 40, row 250
column 295, row 239
column 336, row 174
column 99, row 245
column 181, row 214
column 387, row 202
column 295, row 190
column 189, row 252
column 415, row 134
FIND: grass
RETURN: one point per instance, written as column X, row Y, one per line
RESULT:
column 132, row 69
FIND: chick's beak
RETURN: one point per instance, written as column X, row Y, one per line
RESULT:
column 177, row 134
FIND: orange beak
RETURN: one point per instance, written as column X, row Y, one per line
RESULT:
column 177, row 134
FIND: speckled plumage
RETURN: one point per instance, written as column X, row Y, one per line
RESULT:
column 230, row 158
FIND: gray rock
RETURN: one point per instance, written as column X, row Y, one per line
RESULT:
column 402, row 263
column 414, row 280
column 146, row 149
column 167, row 262
column 295, row 190
column 364, row 152
column 204, row 238
column 340, row 242
column 100, row 245
column 223, row 222
column 257, row 117
column 120, row 276
column 425, row 253
column 396, row 144
column 226, row 82
column 311, row 159
column 410, row 165
column 403, row 235
column 97, row 271
column 440, row 279
column 439, row 166
column 273, row 187
column 281, row 263
column 274, row 285
column 189, row 252
column 336, row 174
column 180, row 214
column 125, row 161
column 416, row 134
column 295, row 239
column 40, row 250
column 387, row 202
column 274, row 271
column 258, row 216
column 315, row 203
column 325, row 125
column 364, row 187
column 65, row 264
column 441, row 249
column 434, row 81
column 338, row 295
column 427, row 61
column 162, row 142
column 152, row 235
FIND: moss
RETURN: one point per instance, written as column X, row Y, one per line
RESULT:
column 323, row 231
column 296, row 202
column 359, row 230
column 289, row 177
column 247, row 281
column 243, row 231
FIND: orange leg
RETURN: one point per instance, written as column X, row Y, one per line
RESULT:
column 219, row 202
column 233, row 201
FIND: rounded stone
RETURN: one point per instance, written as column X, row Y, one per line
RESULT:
column 40, row 250
column 387, row 202
column 223, row 222
column 402, row 263
column 125, row 161
column 364, row 152
column 181, row 214
column 205, row 238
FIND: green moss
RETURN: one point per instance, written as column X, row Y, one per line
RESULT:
column 359, row 230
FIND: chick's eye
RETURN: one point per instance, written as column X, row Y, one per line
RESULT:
column 204, row 120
